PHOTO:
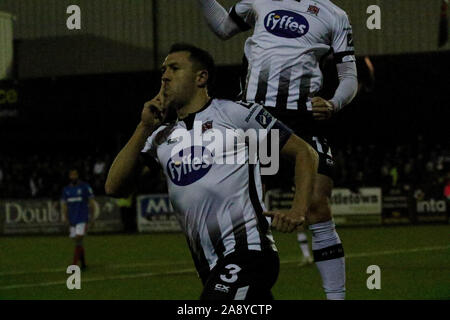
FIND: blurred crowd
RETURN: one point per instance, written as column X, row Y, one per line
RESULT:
column 409, row 167
column 420, row 165
column 44, row 176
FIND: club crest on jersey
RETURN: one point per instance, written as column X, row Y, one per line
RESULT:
column 313, row 10
column 286, row 24
column 206, row 126
column 189, row 165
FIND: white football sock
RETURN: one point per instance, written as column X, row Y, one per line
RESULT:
column 329, row 258
column 303, row 243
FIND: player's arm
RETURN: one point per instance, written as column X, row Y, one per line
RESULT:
column 344, row 57
column 253, row 116
column 126, row 167
column 348, row 85
column 64, row 210
column 306, row 164
column 91, row 201
column 92, row 204
column 225, row 25
column 344, row 94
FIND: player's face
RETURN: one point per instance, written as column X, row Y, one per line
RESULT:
column 178, row 79
column 73, row 175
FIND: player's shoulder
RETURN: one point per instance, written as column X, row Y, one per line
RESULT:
column 231, row 107
column 69, row 187
column 222, row 103
column 84, row 184
column 332, row 11
column 236, row 113
column 232, row 104
column 338, row 12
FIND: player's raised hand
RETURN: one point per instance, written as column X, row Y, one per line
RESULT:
column 154, row 110
column 322, row 109
column 286, row 220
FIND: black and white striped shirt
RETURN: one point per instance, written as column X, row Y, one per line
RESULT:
column 284, row 53
column 219, row 204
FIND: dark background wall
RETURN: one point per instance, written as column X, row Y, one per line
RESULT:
column 99, row 112
column 134, row 35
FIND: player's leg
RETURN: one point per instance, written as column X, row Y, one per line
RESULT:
column 326, row 244
column 245, row 276
column 80, row 230
column 73, row 235
column 302, row 240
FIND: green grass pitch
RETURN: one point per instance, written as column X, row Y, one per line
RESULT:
column 414, row 263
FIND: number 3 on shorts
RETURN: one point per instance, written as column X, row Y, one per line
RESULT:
column 232, row 273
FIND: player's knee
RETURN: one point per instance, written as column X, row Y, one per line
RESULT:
column 320, row 210
column 79, row 240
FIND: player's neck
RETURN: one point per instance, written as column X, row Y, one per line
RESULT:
column 196, row 103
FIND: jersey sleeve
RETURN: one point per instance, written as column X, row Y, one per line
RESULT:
column 148, row 153
column 342, row 40
column 247, row 116
column 243, row 14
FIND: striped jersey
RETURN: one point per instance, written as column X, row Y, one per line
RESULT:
column 218, row 202
column 283, row 54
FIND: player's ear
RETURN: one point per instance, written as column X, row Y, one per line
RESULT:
column 202, row 78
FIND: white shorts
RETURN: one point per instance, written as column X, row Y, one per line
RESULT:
column 80, row 229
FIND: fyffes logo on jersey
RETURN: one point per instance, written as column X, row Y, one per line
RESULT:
column 286, row 24
column 189, row 165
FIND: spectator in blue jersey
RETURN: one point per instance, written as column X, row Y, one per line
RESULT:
column 77, row 205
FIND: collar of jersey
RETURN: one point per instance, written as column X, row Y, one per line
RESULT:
column 189, row 120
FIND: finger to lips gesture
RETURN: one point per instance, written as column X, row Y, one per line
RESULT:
column 153, row 111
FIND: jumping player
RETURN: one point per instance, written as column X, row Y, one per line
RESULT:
column 283, row 55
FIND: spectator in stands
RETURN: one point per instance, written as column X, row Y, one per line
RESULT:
column 419, row 165
column 99, row 167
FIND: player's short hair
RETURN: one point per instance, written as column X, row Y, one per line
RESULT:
column 202, row 59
